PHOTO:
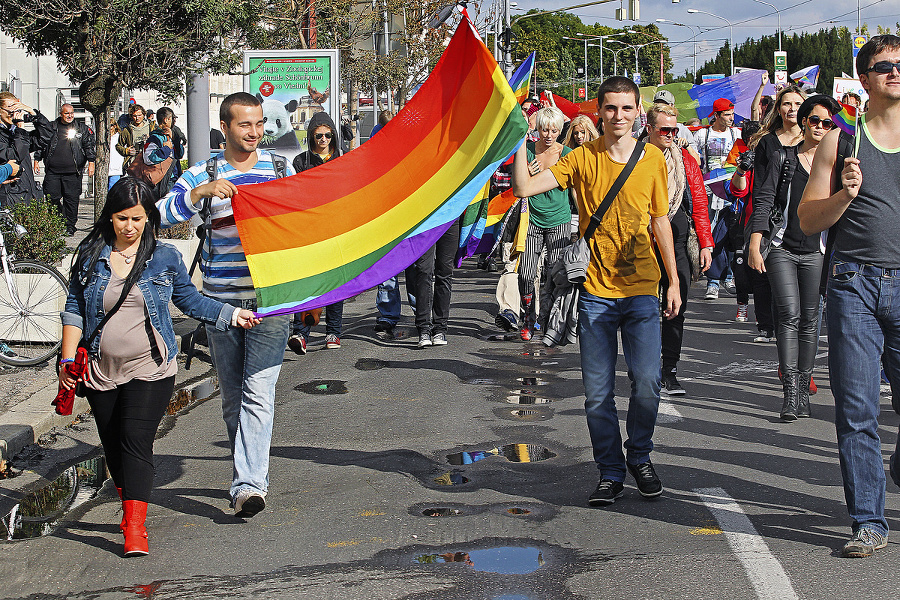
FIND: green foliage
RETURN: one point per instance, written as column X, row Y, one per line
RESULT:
column 828, row 48
column 46, row 230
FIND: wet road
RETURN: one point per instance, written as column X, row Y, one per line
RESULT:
column 375, row 439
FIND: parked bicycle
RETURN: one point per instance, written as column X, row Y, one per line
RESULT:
column 32, row 294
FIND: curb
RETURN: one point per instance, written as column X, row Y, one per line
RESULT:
column 24, row 423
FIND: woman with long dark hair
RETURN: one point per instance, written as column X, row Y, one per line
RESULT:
column 780, row 128
column 794, row 262
column 120, row 286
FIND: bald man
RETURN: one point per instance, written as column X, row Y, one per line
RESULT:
column 71, row 148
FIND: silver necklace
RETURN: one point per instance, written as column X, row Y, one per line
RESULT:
column 127, row 258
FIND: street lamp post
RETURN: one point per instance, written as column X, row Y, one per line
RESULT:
column 601, row 38
column 694, row 38
column 777, row 12
column 661, row 41
column 730, row 32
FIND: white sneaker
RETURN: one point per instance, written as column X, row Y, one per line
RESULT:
column 765, row 337
column 439, row 339
column 248, row 503
column 712, row 291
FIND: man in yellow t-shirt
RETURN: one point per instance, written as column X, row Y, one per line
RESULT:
column 622, row 284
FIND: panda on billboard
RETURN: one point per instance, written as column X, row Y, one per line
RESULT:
column 278, row 129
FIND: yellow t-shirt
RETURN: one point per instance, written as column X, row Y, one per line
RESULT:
column 623, row 263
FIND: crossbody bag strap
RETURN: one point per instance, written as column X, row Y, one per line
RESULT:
column 614, row 190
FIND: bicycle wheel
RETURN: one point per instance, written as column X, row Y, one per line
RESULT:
column 30, row 302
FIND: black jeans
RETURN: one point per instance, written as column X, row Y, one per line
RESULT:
column 673, row 329
column 795, row 289
column 750, row 281
column 64, row 190
column 127, row 419
column 432, row 279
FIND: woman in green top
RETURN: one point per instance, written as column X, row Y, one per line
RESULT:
column 549, row 220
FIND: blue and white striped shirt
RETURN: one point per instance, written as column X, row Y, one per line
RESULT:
column 226, row 275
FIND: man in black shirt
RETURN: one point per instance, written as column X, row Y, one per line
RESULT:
column 71, row 147
column 16, row 143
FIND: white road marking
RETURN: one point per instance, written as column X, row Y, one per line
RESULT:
column 667, row 412
column 764, row 571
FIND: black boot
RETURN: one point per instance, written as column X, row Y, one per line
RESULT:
column 803, row 394
column 790, row 384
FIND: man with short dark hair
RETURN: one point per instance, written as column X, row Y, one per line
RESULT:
column 621, row 290
column 17, row 143
column 133, row 136
column 71, row 148
column 857, row 198
column 248, row 361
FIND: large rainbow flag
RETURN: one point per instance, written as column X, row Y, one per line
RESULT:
column 332, row 232
column 520, row 80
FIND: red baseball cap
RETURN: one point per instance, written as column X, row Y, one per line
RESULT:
column 722, row 104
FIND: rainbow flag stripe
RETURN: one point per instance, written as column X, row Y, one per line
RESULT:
column 521, row 78
column 335, row 231
column 846, row 119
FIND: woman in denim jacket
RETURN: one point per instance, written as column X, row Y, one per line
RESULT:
column 131, row 373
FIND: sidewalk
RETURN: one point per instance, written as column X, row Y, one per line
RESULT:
column 25, row 410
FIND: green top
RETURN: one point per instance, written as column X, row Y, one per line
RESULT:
column 550, row 208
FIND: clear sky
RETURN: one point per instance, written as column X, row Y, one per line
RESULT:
column 750, row 19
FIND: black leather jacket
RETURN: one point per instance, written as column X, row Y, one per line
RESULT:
column 17, row 144
column 83, row 145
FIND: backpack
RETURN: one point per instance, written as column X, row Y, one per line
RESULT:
column 157, row 174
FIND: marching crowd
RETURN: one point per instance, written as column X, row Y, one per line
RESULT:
column 803, row 225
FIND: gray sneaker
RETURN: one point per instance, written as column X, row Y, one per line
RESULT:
column 439, row 339
column 864, row 543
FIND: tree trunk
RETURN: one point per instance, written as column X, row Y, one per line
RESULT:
column 99, row 96
column 353, row 109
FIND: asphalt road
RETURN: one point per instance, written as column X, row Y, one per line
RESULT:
column 753, row 508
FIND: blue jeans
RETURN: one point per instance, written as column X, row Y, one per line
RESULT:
column 387, row 301
column 598, row 321
column 334, row 316
column 248, row 362
column 863, row 320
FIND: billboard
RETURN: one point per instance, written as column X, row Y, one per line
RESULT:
column 293, row 85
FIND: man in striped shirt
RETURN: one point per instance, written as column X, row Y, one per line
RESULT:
column 248, row 361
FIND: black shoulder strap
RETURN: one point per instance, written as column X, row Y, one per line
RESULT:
column 614, row 190
column 211, row 168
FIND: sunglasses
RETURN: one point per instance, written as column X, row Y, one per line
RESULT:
column 667, row 130
column 815, row 121
column 323, row 136
column 883, row 66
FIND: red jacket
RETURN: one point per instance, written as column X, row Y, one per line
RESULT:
column 699, row 201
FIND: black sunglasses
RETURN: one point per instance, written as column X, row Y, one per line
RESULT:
column 320, row 136
column 815, row 120
column 667, row 130
column 884, row 66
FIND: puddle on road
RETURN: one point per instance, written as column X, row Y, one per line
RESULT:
column 321, row 387
column 520, row 453
column 40, row 511
column 532, row 381
column 370, row 364
column 507, row 560
column 481, row 381
column 516, row 510
column 442, row 511
column 451, row 478
column 526, row 399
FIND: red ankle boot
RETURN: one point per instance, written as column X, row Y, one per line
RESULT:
column 135, row 532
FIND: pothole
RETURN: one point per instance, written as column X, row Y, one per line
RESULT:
column 521, row 453
column 370, row 364
column 481, row 381
column 532, row 381
column 517, row 510
column 507, row 560
column 322, row 387
column 40, row 512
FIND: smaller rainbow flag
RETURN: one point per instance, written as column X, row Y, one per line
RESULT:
column 521, row 78
column 846, row 119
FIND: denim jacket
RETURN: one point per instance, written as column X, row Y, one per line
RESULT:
column 165, row 278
